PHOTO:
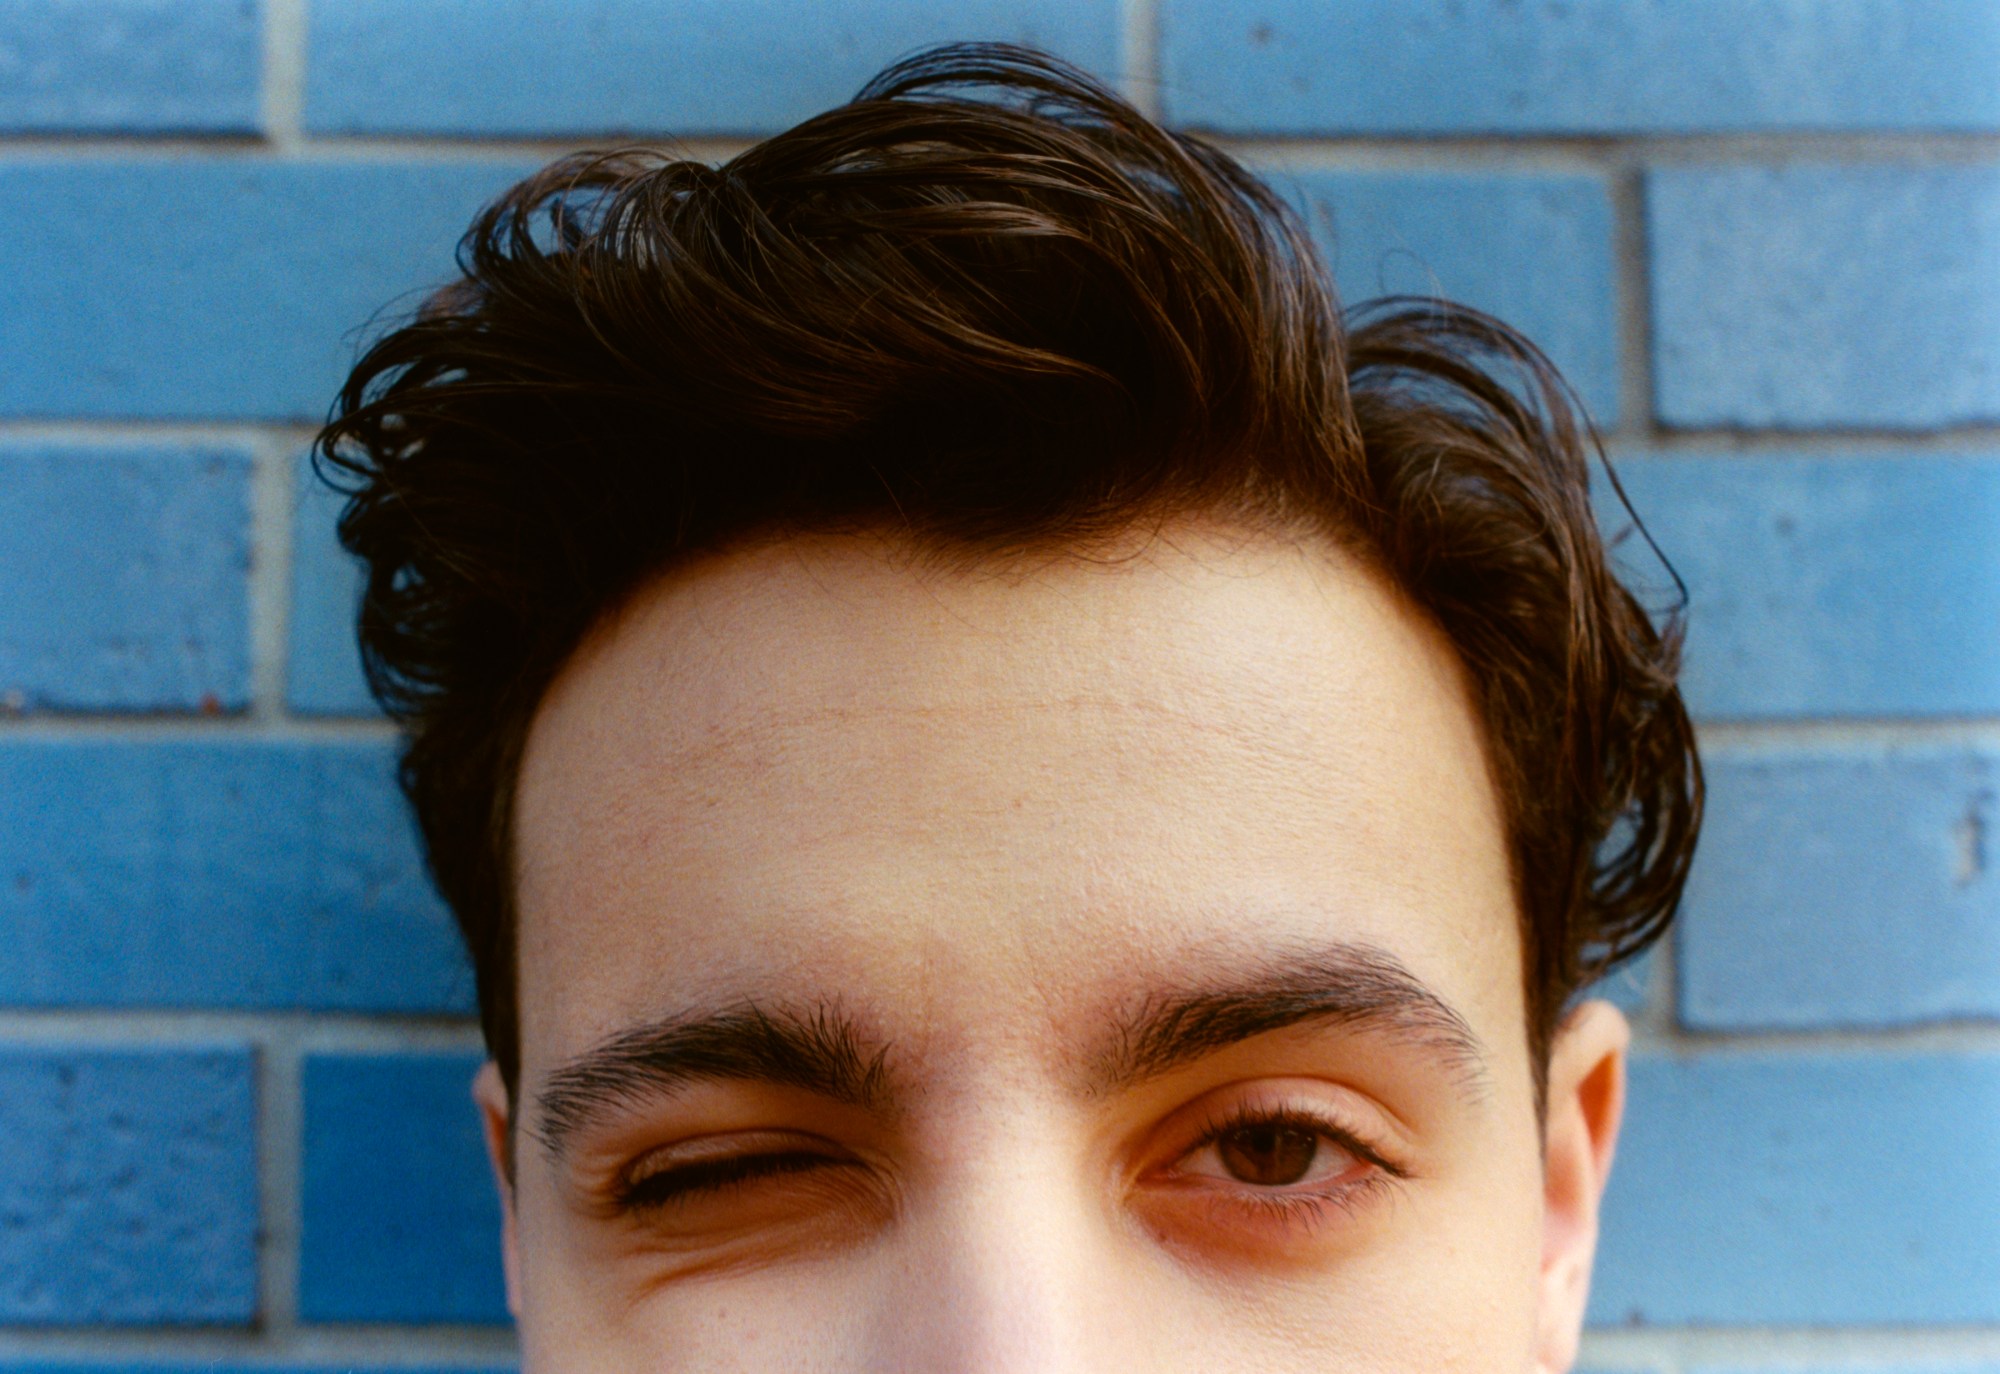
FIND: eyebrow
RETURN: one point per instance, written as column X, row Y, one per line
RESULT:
column 819, row 1051
column 1352, row 986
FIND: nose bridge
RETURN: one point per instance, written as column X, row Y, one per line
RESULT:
column 1007, row 1268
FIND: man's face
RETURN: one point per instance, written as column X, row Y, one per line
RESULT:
column 1080, row 965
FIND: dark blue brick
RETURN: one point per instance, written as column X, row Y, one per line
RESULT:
column 205, row 872
column 400, row 1221
column 556, row 67
column 1809, row 1189
column 125, row 573
column 1579, row 66
column 1816, row 295
column 1534, row 250
column 1858, row 887
column 129, row 66
column 323, row 668
column 1828, row 585
column 128, row 1186
column 214, row 288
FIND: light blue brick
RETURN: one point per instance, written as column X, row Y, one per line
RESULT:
column 1805, row 1189
column 1828, row 585
column 1855, row 887
column 1534, row 250
column 216, row 873
column 323, row 666
column 129, row 66
column 559, row 67
column 205, row 288
column 125, row 574
column 128, row 1186
column 1816, row 295
column 1579, row 66
column 400, row 1219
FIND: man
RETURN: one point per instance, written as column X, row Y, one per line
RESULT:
column 1020, row 797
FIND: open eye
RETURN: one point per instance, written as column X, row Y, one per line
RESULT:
column 1271, row 1150
column 1265, row 1171
column 1271, row 1153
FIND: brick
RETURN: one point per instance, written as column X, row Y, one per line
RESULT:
column 1818, row 295
column 1830, row 585
column 125, row 571
column 128, row 1186
column 1854, row 887
column 400, row 1222
column 214, row 288
column 323, row 667
column 204, row 872
column 564, row 67
column 1579, row 66
column 1534, row 250
column 1805, row 1189
column 129, row 66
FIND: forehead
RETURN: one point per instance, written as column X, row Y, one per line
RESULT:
column 970, row 803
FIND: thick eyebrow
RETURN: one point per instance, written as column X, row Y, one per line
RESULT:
column 819, row 1051
column 1353, row 986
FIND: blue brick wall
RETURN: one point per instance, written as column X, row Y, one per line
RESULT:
column 1762, row 237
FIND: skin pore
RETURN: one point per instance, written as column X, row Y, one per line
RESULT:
column 1084, row 963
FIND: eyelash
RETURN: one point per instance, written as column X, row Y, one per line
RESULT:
column 689, row 1181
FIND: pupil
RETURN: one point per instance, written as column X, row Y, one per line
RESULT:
column 1268, row 1156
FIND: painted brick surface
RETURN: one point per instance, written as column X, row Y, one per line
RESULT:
column 128, row 1190
column 206, row 288
column 1814, row 1189
column 323, row 669
column 400, row 1220
column 1579, row 66
column 1817, row 295
column 1536, row 251
column 1848, row 888
column 125, row 574
column 129, row 66
column 674, row 66
column 223, row 873
column 1828, row 585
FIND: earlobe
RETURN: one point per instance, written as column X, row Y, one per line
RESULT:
column 489, row 1093
column 1585, row 1104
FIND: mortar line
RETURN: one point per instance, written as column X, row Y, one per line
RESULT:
column 280, row 1143
column 1140, row 55
column 284, row 73
column 1632, row 307
column 272, row 499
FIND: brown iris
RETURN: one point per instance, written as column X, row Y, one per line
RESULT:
column 1269, row 1155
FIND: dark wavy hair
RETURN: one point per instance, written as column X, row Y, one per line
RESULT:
column 991, row 306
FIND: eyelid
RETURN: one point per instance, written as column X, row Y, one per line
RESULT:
column 722, row 1153
column 1373, row 1137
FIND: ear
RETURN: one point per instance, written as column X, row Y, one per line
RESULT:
column 496, row 1114
column 1586, row 1100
